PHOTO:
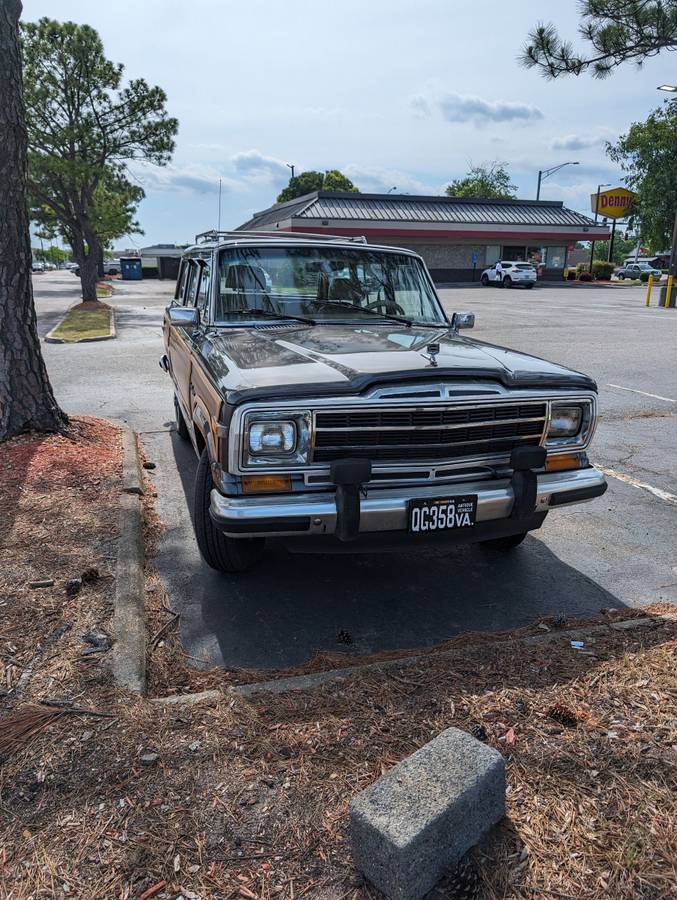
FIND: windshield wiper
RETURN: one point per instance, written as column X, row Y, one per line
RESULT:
column 270, row 315
column 336, row 304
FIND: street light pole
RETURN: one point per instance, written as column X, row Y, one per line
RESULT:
column 292, row 167
column 545, row 173
column 592, row 243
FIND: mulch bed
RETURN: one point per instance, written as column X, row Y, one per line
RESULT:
column 113, row 796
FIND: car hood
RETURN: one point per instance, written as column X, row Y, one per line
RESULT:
column 278, row 361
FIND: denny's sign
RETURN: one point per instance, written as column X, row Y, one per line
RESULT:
column 614, row 204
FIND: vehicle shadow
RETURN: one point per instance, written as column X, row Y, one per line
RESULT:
column 292, row 606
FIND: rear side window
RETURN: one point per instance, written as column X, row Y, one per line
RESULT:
column 181, row 281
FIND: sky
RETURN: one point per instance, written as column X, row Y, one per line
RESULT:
column 393, row 93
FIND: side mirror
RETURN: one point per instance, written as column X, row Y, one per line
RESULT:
column 184, row 316
column 463, row 320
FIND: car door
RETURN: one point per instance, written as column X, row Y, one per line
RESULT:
column 179, row 339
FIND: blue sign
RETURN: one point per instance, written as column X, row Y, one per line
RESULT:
column 475, row 257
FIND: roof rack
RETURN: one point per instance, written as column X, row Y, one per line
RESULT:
column 215, row 235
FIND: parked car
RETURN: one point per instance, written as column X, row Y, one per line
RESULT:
column 508, row 273
column 37, row 266
column 330, row 400
column 635, row 270
column 110, row 267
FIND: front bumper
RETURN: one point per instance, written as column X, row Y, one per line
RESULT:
column 386, row 509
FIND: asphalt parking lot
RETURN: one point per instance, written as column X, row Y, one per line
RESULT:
column 619, row 550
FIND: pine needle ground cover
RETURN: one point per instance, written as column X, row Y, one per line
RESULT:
column 106, row 795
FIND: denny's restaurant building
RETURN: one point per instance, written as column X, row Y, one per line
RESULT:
column 457, row 238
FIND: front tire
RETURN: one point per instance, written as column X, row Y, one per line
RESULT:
column 621, row 277
column 484, row 280
column 504, row 544
column 507, row 282
column 220, row 552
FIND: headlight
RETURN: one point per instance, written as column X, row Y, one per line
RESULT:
column 571, row 425
column 276, row 438
column 565, row 421
column 272, row 437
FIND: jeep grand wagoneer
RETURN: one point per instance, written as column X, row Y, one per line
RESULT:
column 333, row 404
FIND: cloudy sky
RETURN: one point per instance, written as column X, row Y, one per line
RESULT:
column 394, row 93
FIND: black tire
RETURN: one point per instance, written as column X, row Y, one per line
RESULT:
column 503, row 544
column 220, row 552
column 484, row 280
column 112, row 272
column 181, row 427
column 621, row 277
column 528, row 286
column 507, row 282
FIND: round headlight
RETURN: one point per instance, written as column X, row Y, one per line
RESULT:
column 565, row 421
column 272, row 437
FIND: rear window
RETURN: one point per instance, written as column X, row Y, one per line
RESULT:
column 523, row 266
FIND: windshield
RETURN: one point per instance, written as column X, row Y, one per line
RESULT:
column 326, row 284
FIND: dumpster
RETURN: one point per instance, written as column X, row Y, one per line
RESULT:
column 130, row 268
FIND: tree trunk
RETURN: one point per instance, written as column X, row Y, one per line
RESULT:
column 99, row 260
column 88, row 276
column 26, row 398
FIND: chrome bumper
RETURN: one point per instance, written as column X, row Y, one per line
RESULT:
column 386, row 509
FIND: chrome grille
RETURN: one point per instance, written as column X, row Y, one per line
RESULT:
column 427, row 433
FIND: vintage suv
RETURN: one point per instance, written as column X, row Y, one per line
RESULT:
column 334, row 405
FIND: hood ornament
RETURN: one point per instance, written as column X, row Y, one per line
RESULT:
column 433, row 350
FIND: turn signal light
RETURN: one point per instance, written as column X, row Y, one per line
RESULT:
column 563, row 461
column 266, row 484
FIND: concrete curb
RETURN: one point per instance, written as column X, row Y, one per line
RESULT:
column 112, row 333
column 304, row 682
column 129, row 624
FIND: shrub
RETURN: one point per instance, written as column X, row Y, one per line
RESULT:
column 602, row 271
column 581, row 267
column 585, row 276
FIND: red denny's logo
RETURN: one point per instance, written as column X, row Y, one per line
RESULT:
column 614, row 204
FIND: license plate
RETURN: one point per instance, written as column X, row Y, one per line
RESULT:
column 442, row 513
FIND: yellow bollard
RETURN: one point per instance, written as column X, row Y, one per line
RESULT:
column 668, row 291
column 649, row 285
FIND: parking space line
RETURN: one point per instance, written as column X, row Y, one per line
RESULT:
column 645, row 393
column 628, row 479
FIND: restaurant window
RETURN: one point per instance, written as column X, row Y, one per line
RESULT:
column 492, row 254
column 536, row 256
column 555, row 257
column 514, row 254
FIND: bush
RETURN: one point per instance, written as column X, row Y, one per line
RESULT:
column 602, row 271
column 585, row 276
column 644, row 276
column 581, row 267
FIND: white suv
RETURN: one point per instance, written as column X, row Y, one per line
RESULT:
column 507, row 273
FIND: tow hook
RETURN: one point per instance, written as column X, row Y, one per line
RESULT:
column 349, row 475
column 524, row 481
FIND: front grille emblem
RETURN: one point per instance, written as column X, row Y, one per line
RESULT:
column 433, row 350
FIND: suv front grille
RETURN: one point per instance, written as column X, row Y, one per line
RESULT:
column 421, row 434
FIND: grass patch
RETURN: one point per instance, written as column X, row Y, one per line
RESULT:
column 103, row 292
column 78, row 324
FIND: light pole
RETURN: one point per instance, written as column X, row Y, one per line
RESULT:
column 592, row 243
column 292, row 167
column 391, row 189
column 545, row 173
column 670, row 88
column 218, row 225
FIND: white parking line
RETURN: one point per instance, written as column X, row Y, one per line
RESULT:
column 645, row 393
column 628, row 479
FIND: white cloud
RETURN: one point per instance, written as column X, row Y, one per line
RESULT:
column 467, row 108
column 420, row 106
column 194, row 179
column 254, row 165
column 581, row 141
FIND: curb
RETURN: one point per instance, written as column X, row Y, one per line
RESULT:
column 303, row 682
column 112, row 333
column 129, row 624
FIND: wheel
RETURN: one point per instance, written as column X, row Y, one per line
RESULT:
column 507, row 282
column 503, row 544
column 181, row 427
column 484, row 280
column 112, row 271
column 621, row 276
column 528, row 286
column 220, row 552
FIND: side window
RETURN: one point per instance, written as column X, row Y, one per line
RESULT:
column 205, row 280
column 188, row 298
